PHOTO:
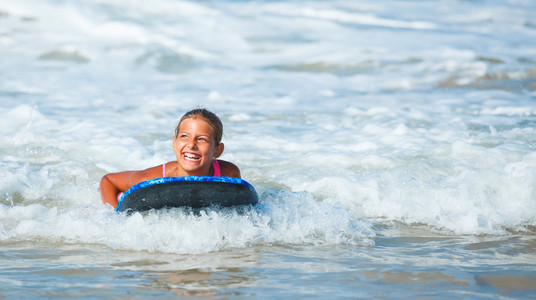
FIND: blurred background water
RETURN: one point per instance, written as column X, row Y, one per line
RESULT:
column 392, row 144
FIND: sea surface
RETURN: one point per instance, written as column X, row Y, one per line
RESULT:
column 392, row 144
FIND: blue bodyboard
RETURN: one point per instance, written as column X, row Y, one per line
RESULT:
column 190, row 191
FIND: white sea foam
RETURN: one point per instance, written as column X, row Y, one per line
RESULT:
column 281, row 218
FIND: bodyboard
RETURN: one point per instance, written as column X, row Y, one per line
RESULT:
column 190, row 191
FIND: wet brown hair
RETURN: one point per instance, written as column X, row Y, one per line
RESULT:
column 213, row 121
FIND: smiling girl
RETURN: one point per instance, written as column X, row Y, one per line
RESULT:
column 197, row 145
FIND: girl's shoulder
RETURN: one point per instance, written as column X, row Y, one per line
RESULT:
column 229, row 169
column 150, row 173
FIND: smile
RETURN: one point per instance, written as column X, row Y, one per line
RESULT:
column 191, row 156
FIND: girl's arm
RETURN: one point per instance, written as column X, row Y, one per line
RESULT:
column 114, row 183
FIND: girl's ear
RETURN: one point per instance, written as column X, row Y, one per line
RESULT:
column 218, row 150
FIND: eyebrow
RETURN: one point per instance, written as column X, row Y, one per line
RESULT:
column 202, row 134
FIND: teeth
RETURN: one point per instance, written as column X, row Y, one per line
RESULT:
column 191, row 156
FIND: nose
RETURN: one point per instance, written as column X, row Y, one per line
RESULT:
column 192, row 144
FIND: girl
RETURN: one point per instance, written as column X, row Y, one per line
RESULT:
column 197, row 144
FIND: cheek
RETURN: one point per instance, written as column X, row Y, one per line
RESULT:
column 209, row 150
column 177, row 146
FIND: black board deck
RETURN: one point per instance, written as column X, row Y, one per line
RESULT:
column 190, row 191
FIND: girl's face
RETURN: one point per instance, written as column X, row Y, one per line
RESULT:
column 195, row 147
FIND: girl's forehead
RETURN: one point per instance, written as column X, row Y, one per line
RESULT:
column 196, row 124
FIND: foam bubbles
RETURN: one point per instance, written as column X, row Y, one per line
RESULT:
column 281, row 218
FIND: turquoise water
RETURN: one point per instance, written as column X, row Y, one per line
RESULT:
column 406, row 264
column 391, row 143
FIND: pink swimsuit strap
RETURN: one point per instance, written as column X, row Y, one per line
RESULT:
column 215, row 166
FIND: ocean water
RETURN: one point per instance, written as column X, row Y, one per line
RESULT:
column 392, row 144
